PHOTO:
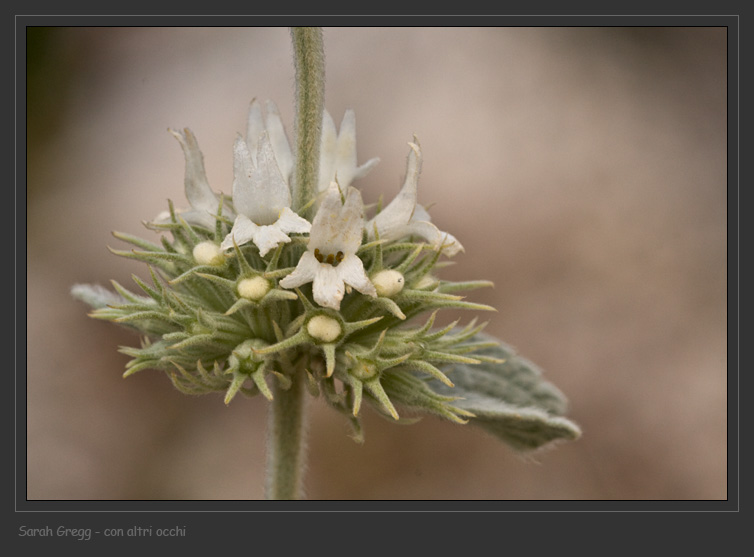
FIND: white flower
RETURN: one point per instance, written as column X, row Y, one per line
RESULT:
column 337, row 161
column 261, row 198
column 404, row 217
column 330, row 261
column 201, row 198
column 337, row 156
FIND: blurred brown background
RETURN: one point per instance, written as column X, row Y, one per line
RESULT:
column 583, row 169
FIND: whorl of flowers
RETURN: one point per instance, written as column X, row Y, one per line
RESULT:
column 244, row 291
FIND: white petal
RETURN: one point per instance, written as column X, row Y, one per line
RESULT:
column 257, row 124
column 162, row 218
column 243, row 168
column 268, row 237
column 259, row 190
column 420, row 213
column 397, row 214
column 291, row 222
column 254, row 126
column 327, row 148
column 345, row 156
column 243, row 231
column 351, row 271
column 365, row 168
column 434, row 236
column 338, row 153
column 198, row 192
column 346, row 169
column 192, row 217
column 202, row 218
column 274, row 193
column 324, row 225
column 328, row 287
column 304, row 272
column 279, row 140
column 351, row 222
column 338, row 226
column 200, row 196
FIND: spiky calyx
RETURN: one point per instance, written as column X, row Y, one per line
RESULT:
column 221, row 322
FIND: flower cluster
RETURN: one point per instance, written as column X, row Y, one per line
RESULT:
column 245, row 291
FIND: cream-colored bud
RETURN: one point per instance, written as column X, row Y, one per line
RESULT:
column 388, row 283
column 253, row 288
column 208, row 253
column 324, row 328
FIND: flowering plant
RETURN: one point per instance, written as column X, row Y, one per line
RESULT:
column 288, row 287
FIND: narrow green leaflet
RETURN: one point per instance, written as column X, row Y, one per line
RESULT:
column 510, row 400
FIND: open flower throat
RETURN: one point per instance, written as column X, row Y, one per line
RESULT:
column 246, row 290
column 330, row 259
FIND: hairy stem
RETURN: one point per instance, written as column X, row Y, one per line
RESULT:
column 309, row 62
column 286, row 428
column 286, row 446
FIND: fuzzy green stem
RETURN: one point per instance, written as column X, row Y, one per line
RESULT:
column 309, row 62
column 286, row 428
column 286, row 440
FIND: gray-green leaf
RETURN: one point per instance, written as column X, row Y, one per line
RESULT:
column 510, row 400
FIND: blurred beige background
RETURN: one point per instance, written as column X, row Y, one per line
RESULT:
column 583, row 169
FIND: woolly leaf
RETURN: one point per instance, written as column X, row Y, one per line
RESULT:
column 510, row 399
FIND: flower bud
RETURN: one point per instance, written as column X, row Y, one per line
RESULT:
column 208, row 253
column 388, row 283
column 254, row 288
column 324, row 328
